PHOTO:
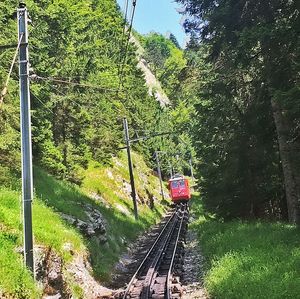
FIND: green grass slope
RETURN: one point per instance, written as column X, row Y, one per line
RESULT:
column 103, row 188
column 249, row 259
column 49, row 230
column 107, row 183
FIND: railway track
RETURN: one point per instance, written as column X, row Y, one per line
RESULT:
column 158, row 274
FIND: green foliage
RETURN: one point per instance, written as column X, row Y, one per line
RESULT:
column 48, row 230
column 169, row 63
column 73, row 124
column 54, row 197
column 157, row 50
column 249, row 259
column 237, row 65
column 14, row 279
column 102, row 189
column 166, row 60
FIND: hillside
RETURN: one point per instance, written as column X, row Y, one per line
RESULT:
column 82, row 211
column 79, row 232
column 154, row 86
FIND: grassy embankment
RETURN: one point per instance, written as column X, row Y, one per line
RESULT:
column 54, row 197
column 249, row 259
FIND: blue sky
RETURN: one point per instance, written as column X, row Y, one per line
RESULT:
column 157, row 15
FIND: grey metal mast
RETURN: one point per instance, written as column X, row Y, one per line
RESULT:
column 27, row 187
column 133, row 194
column 159, row 175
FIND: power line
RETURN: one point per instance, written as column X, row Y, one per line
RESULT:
column 5, row 47
column 152, row 135
column 123, row 33
column 127, row 44
column 44, row 104
column 60, row 81
column 79, row 105
column 103, row 122
column 4, row 90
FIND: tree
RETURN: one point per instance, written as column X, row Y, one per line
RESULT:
column 254, row 47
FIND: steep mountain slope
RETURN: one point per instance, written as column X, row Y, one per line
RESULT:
column 154, row 86
column 79, row 232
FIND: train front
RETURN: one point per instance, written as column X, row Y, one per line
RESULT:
column 179, row 189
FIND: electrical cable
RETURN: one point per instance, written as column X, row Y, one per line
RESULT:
column 44, row 104
column 127, row 44
column 5, row 88
column 60, row 81
column 123, row 33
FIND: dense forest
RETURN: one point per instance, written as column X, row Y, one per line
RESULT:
column 233, row 91
column 243, row 57
column 82, row 85
column 227, row 103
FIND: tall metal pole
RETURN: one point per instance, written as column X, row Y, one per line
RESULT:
column 171, row 170
column 191, row 166
column 27, row 188
column 133, row 194
column 159, row 175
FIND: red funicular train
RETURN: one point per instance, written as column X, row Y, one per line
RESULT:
column 179, row 189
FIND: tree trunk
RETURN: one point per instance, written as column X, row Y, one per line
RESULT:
column 285, row 150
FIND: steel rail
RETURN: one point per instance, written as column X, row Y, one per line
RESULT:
column 157, row 260
column 144, row 283
column 134, row 277
column 169, row 276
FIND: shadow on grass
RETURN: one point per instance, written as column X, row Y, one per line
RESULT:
column 121, row 229
column 250, row 259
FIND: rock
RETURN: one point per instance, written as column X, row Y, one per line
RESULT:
column 123, row 210
column 71, row 220
column 48, row 271
column 93, row 227
column 40, row 255
column 57, row 296
column 68, row 247
column 79, row 269
column 109, row 174
column 126, row 188
column 193, row 262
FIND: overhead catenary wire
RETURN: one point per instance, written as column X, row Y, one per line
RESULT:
column 127, row 44
column 49, row 80
column 125, row 19
column 5, row 88
column 65, row 82
column 123, row 33
column 81, row 106
column 43, row 104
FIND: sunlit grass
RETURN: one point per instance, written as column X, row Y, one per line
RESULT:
column 107, row 182
column 53, row 197
column 49, row 230
column 250, row 259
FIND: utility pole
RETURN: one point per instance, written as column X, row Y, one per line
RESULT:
column 159, row 175
column 27, row 188
column 191, row 166
column 171, row 170
column 133, row 194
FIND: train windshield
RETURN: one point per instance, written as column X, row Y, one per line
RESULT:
column 176, row 184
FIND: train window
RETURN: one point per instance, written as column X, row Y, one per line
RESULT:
column 174, row 184
column 181, row 182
